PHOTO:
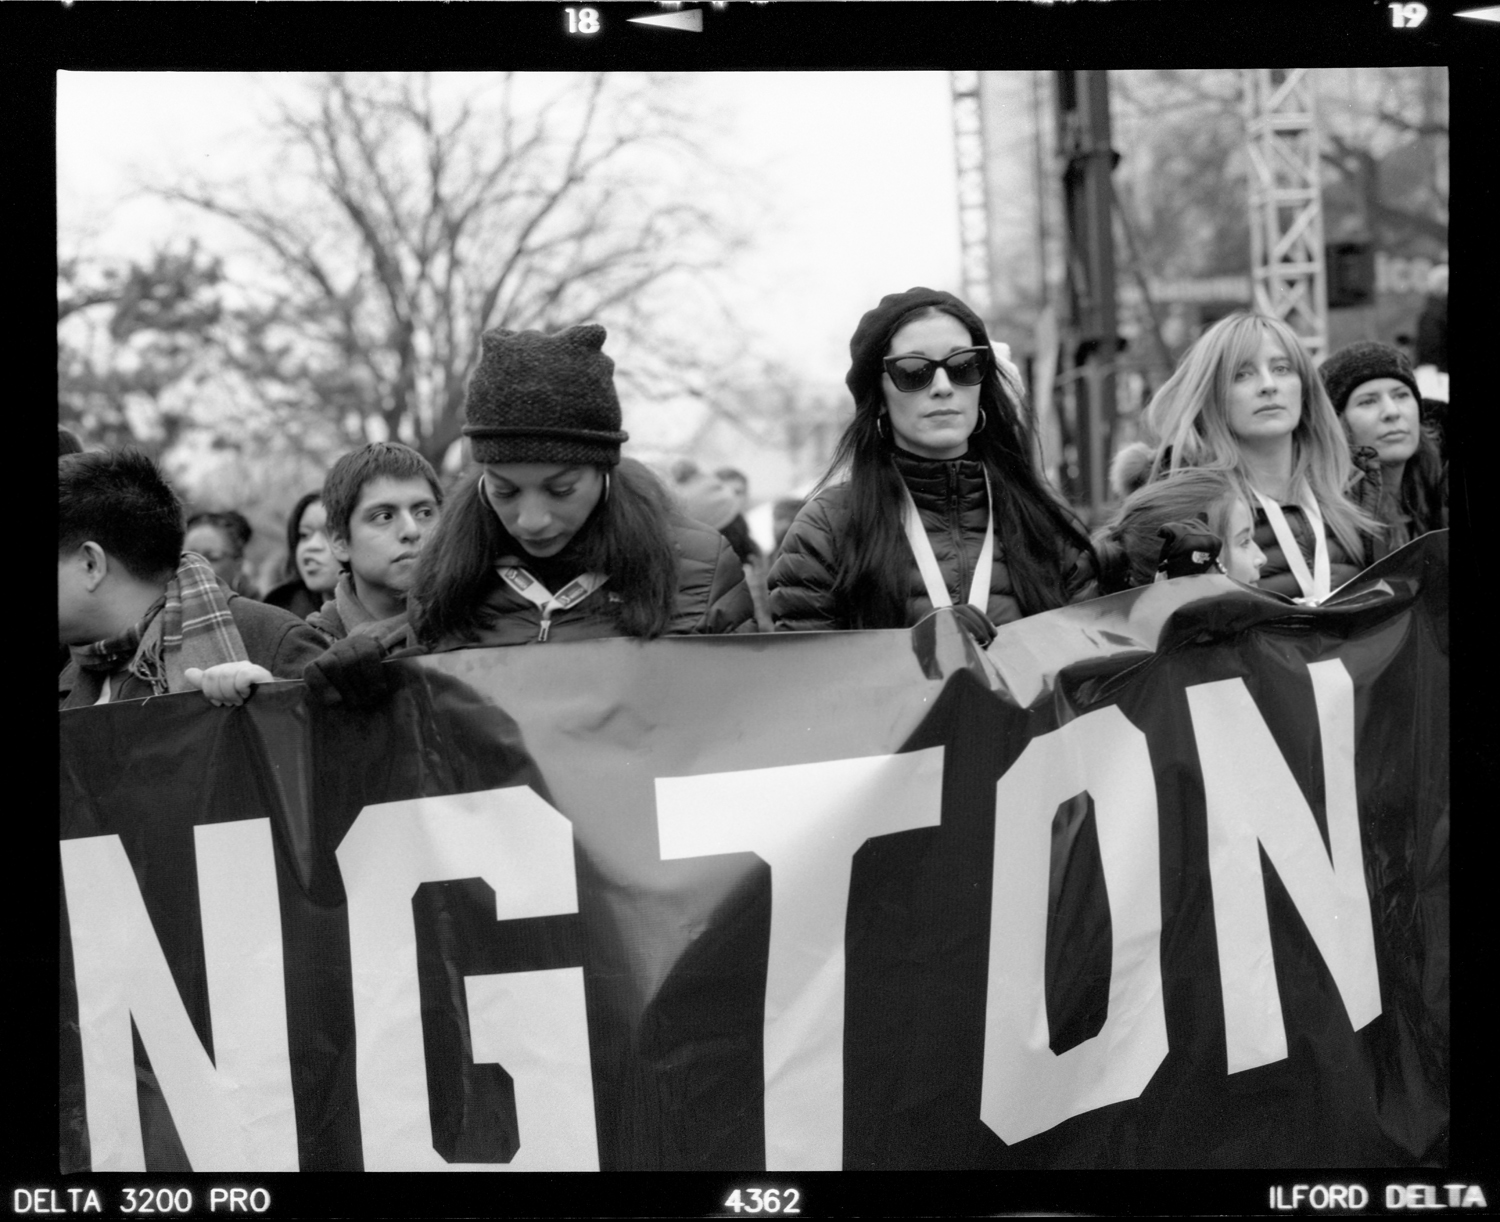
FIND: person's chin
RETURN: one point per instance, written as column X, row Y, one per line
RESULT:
column 949, row 444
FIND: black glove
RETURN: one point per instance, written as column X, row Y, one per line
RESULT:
column 350, row 672
column 976, row 623
column 1188, row 549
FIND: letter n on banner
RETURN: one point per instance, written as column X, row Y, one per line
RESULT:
column 1254, row 802
column 1027, row 1088
column 533, row 1023
column 234, row 1113
column 806, row 821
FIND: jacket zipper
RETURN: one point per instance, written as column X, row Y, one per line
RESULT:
column 960, row 593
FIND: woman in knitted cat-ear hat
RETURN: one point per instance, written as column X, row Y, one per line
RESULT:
column 555, row 537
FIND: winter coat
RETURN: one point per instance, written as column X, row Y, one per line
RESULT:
column 711, row 598
column 1130, row 467
column 1276, row 575
column 344, row 615
column 295, row 597
column 951, row 499
column 273, row 638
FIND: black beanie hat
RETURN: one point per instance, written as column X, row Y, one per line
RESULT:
column 544, row 398
column 873, row 335
column 1355, row 364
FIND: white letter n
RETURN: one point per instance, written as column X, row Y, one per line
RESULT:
column 233, row 1113
column 1254, row 802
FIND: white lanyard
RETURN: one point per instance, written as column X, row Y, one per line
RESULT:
column 927, row 565
column 1316, row 585
column 529, row 588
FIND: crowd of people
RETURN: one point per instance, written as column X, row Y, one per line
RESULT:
column 1254, row 463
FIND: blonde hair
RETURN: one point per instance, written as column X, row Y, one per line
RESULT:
column 1129, row 544
column 1189, row 420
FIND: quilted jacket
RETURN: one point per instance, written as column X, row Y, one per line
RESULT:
column 950, row 497
column 712, row 597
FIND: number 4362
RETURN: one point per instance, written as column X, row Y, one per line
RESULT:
column 764, row 1200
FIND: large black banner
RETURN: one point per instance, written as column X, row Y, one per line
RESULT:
column 1157, row 881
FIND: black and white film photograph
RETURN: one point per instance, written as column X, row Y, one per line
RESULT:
column 844, row 604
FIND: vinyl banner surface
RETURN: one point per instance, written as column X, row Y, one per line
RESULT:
column 1156, row 881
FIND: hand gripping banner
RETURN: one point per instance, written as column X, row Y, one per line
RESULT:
column 1156, row 881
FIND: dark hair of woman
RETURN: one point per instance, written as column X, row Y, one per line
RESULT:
column 1423, row 484
column 1031, row 525
column 289, row 570
column 626, row 537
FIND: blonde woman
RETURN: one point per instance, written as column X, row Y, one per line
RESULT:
column 1247, row 400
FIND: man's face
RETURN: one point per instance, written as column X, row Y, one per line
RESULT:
column 390, row 522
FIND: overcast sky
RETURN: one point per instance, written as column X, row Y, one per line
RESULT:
column 852, row 218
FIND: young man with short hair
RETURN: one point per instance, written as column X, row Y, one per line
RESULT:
column 382, row 502
column 142, row 616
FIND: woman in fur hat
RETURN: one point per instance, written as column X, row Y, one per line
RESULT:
column 943, row 504
column 1247, row 400
column 1374, row 391
column 554, row 537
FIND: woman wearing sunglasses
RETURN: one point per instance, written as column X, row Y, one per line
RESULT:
column 943, row 505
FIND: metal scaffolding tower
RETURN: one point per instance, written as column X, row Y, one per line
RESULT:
column 973, row 208
column 1286, row 208
column 1091, row 333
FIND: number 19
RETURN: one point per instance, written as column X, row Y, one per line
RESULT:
column 1407, row 16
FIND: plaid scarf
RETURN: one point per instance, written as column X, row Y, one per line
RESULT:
column 189, row 625
column 345, row 615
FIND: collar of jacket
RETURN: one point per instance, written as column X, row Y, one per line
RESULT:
column 932, row 481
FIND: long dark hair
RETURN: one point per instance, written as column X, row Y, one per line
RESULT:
column 627, row 537
column 1031, row 525
column 1422, row 493
column 293, row 535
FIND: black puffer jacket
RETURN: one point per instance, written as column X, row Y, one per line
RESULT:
column 1276, row 575
column 950, row 496
column 712, row 597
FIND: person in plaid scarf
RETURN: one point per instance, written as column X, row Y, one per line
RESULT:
column 141, row 616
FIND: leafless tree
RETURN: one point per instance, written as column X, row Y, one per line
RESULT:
column 412, row 213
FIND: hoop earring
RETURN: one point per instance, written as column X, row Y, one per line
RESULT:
column 603, row 500
column 884, row 436
column 982, row 422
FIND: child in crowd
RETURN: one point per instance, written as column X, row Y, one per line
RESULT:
column 1193, row 521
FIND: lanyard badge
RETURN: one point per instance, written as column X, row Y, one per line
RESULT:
column 927, row 565
column 1315, row 585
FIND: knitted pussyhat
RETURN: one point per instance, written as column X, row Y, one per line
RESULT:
column 544, row 399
